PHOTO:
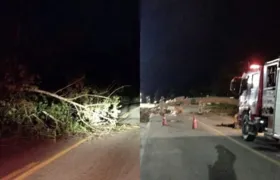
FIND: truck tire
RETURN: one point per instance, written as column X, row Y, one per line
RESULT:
column 248, row 131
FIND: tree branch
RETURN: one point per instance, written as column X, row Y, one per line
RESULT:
column 65, row 100
column 71, row 84
column 118, row 89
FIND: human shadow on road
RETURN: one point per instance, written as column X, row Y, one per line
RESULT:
column 223, row 167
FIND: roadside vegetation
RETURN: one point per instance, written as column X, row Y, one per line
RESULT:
column 227, row 109
column 76, row 109
column 145, row 115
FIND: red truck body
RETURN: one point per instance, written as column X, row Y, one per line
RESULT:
column 259, row 105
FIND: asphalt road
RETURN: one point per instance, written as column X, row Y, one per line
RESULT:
column 177, row 152
column 133, row 116
column 128, row 107
column 114, row 157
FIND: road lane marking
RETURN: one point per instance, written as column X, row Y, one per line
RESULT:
column 34, row 169
column 277, row 163
column 19, row 171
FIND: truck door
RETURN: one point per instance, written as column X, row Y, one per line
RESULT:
column 253, row 87
column 269, row 94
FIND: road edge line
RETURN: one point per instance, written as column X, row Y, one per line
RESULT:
column 50, row 160
column 19, row 171
column 275, row 162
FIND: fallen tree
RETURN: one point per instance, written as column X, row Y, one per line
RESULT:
column 29, row 111
column 89, row 111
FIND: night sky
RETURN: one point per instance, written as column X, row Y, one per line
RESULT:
column 173, row 45
column 191, row 45
column 61, row 40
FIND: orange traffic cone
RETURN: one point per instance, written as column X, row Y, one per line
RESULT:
column 164, row 122
column 194, row 123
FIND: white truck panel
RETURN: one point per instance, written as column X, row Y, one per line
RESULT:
column 277, row 107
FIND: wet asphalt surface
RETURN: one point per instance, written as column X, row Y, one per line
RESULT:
column 177, row 152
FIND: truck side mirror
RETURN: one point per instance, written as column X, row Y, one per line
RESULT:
column 235, row 85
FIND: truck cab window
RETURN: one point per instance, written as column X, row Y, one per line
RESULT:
column 271, row 76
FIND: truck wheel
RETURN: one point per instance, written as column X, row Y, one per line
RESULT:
column 248, row 131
